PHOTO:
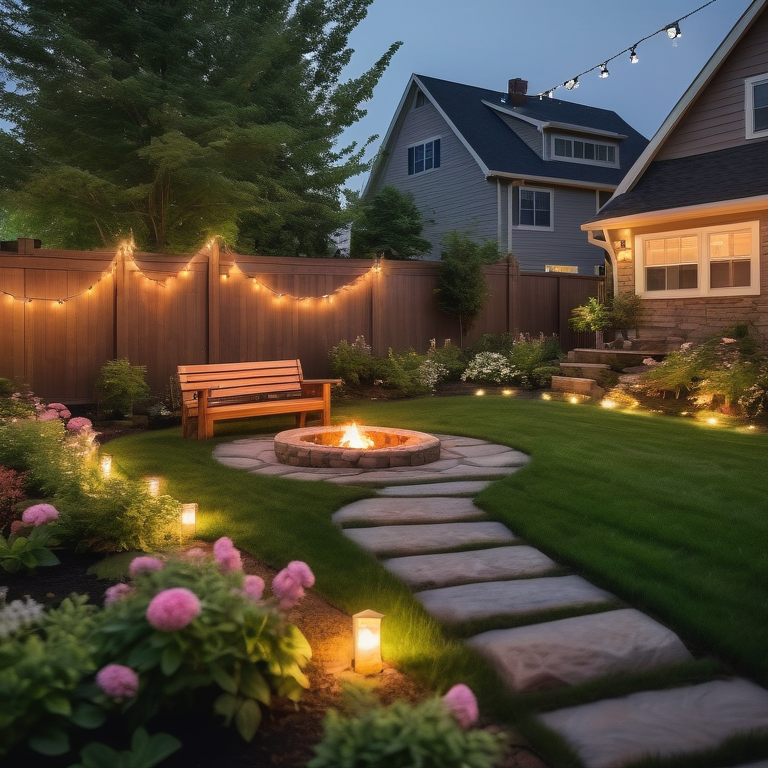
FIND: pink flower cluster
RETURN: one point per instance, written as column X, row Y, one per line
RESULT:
column 288, row 585
column 39, row 514
column 253, row 588
column 117, row 592
column 462, row 704
column 173, row 609
column 118, row 681
column 61, row 409
column 53, row 411
column 79, row 424
column 227, row 556
column 144, row 565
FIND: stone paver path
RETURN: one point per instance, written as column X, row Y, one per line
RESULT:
column 422, row 512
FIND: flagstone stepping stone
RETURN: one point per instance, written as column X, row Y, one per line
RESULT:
column 473, row 451
column 575, row 650
column 497, row 598
column 506, row 459
column 236, row 462
column 610, row 733
column 427, row 510
column 455, row 488
column 428, row 571
column 415, row 539
column 468, row 470
column 241, row 450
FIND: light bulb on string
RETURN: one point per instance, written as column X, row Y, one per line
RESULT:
column 673, row 31
column 571, row 84
column 633, row 56
column 604, row 71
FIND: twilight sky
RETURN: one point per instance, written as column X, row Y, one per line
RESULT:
column 487, row 42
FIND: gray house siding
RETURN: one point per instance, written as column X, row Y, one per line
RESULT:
column 527, row 132
column 716, row 120
column 565, row 245
column 455, row 196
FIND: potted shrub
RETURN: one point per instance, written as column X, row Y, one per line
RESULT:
column 626, row 313
column 591, row 316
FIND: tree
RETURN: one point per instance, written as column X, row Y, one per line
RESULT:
column 176, row 120
column 461, row 287
column 390, row 223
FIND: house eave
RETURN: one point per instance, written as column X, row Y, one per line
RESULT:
column 720, row 207
column 550, row 180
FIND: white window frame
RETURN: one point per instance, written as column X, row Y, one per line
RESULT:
column 424, row 143
column 581, row 160
column 532, row 227
column 749, row 105
column 703, row 262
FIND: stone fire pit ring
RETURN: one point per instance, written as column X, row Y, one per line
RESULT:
column 316, row 447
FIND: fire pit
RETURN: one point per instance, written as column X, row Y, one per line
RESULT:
column 356, row 448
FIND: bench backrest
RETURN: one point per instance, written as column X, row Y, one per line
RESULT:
column 269, row 377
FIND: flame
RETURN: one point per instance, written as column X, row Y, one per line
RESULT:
column 354, row 438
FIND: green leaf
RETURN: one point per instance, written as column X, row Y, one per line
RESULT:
column 223, row 679
column 226, row 705
column 98, row 755
column 161, row 745
column 248, row 719
column 171, row 659
column 52, row 742
column 57, row 704
column 86, row 715
column 253, row 685
column 46, row 557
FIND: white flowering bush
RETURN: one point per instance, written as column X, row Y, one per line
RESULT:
column 490, row 367
column 431, row 373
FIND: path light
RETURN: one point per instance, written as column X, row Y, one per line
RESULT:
column 506, row 392
column 480, row 392
column 712, row 421
column 188, row 519
column 546, row 396
column 366, row 634
column 153, row 486
column 608, row 403
column 106, row 465
column 573, row 400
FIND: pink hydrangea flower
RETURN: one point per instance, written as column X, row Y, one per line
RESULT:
column 39, row 514
column 288, row 585
column 48, row 415
column 117, row 592
column 57, row 406
column 462, row 704
column 253, row 588
column 65, row 414
column 79, row 423
column 118, row 681
column 227, row 556
column 173, row 609
column 144, row 565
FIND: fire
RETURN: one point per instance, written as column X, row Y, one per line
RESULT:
column 354, row 438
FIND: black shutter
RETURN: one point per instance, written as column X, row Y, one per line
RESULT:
column 410, row 161
column 436, row 144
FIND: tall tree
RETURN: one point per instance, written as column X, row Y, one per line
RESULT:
column 179, row 119
column 389, row 223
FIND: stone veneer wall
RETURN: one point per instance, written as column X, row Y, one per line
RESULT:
column 697, row 318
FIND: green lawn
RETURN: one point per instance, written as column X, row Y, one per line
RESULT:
column 669, row 515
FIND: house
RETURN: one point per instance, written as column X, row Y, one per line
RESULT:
column 687, row 229
column 523, row 170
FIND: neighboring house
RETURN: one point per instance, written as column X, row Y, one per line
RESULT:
column 518, row 169
column 687, row 229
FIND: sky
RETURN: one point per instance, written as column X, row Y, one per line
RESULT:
column 546, row 42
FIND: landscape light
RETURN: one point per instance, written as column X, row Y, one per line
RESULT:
column 153, row 486
column 573, row 400
column 608, row 403
column 480, row 392
column 506, row 392
column 188, row 519
column 366, row 636
column 106, row 465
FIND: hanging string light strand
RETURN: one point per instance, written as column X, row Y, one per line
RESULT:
column 671, row 30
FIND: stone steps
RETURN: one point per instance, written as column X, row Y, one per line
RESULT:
column 573, row 385
column 593, row 371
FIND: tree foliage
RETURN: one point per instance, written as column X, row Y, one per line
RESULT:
column 461, row 287
column 390, row 223
column 176, row 120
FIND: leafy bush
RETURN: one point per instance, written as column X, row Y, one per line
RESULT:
column 754, row 399
column 452, row 358
column 626, row 311
column 44, row 659
column 400, row 371
column 431, row 373
column 27, row 548
column 490, row 367
column 491, row 342
column 197, row 623
column 146, row 751
column 352, row 362
column 401, row 736
column 12, row 491
column 541, row 377
column 531, row 354
column 593, row 315
column 120, row 386
column 7, row 387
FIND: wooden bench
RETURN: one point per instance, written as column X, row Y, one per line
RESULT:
column 237, row 390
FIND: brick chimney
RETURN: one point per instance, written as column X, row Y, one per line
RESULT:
column 517, row 92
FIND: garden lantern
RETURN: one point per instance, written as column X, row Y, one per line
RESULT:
column 188, row 519
column 153, row 486
column 366, row 631
column 106, row 465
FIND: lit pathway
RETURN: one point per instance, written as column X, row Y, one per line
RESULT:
column 465, row 568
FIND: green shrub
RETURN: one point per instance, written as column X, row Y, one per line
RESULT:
column 7, row 387
column 120, row 386
column 452, row 359
column 490, row 368
column 531, row 354
column 541, row 377
column 146, row 751
column 12, row 491
column 400, row 372
column 593, row 315
column 491, row 342
column 626, row 311
column 28, row 548
column 244, row 647
column 402, row 736
column 44, row 659
column 352, row 362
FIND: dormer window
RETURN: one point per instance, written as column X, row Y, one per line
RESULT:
column 424, row 157
column 573, row 150
column 756, row 104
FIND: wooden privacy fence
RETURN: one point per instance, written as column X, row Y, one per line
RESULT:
column 65, row 313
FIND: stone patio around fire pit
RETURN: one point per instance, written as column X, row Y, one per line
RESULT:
column 461, row 459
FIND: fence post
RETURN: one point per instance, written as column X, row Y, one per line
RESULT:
column 514, row 309
column 214, row 290
column 121, row 305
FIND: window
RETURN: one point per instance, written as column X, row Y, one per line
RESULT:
column 756, row 103
column 579, row 151
column 535, row 208
column 424, row 157
column 560, row 268
column 712, row 261
column 420, row 100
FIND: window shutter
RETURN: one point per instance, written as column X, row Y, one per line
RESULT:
column 410, row 161
column 515, row 206
column 436, row 144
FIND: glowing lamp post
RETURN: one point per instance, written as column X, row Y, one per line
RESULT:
column 106, row 465
column 188, row 519
column 366, row 630
column 153, row 486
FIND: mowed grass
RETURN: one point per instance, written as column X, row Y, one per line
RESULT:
column 670, row 516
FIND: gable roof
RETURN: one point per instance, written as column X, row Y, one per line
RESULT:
column 635, row 193
column 477, row 117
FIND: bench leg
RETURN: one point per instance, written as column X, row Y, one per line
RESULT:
column 202, row 418
column 302, row 419
column 326, row 405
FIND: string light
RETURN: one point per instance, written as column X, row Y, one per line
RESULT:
column 672, row 31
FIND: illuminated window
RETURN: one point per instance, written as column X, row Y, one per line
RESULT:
column 560, row 268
